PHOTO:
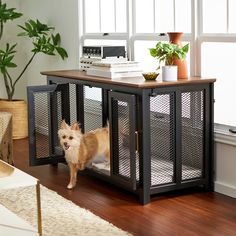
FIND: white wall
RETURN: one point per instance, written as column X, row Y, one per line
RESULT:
column 61, row 14
column 225, row 181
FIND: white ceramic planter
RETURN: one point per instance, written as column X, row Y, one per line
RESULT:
column 169, row 73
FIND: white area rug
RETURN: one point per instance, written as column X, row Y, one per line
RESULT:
column 59, row 215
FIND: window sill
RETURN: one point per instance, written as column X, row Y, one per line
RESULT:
column 222, row 135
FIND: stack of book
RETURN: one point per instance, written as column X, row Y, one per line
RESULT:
column 115, row 69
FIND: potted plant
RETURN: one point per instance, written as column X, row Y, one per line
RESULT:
column 168, row 52
column 43, row 41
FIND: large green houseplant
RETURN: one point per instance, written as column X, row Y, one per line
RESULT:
column 43, row 41
column 168, row 53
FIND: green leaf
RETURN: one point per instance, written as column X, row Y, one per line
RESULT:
column 8, row 59
column 11, row 49
column 62, row 52
column 3, row 69
column 7, row 14
column 33, row 23
column 186, row 48
column 56, row 39
column 11, row 65
column 153, row 52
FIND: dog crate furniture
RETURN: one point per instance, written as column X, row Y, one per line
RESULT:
column 161, row 133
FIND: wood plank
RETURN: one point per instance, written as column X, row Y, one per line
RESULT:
column 135, row 82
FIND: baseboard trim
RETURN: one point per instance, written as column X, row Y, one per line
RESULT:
column 225, row 189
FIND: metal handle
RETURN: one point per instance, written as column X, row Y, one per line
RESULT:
column 137, row 141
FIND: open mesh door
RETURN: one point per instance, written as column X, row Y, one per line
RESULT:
column 124, row 161
column 47, row 106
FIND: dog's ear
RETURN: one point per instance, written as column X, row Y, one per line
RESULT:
column 75, row 126
column 64, row 125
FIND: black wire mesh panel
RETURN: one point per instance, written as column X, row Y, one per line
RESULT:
column 124, row 167
column 73, row 110
column 124, row 159
column 43, row 121
column 92, row 108
column 192, row 134
column 123, row 140
column 162, row 139
column 41, row 125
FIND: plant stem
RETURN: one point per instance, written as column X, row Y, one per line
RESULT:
column 12, row 89
column 1, row 29
column 1, row 24
column 10, row 86
column 8, row 89
column 9, row 78
column 25, row 68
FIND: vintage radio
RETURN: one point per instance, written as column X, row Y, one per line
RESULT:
column 95, row 53
column 103, row 51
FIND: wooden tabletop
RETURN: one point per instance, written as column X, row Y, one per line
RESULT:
column 138, row 82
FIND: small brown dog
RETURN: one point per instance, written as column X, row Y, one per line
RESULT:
column 81, row 149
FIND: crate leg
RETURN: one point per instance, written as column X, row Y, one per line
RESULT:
column 144, row 198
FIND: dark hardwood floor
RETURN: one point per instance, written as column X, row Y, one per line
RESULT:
column 183, row 213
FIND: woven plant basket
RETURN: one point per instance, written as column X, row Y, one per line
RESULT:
column 18, row 109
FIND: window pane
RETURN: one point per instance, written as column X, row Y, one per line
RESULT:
column 121, row 16
column 142, row 55
column 144, row 16
column 183, row 16
column 91, row 9
column 93, row 93
column 232, row 16
column 107, row 16
column 214, row 16
column 164, row 16
column 221, row 65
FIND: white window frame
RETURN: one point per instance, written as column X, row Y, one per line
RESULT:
column 196, row 38
column 214, row 38
column 131, row 36
column 210, row 37
column 83, row 35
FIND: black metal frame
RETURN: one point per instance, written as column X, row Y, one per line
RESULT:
column 138, row 100
column 207, row 179
column 53, row 157
column 113, row 99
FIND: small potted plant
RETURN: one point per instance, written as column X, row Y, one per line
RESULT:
column 43, row 41
column 168, row 52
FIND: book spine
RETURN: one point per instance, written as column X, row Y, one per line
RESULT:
column 114, row 65
column 108, row 74
column 116, row 69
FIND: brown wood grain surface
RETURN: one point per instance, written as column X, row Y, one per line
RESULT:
column 137, row 82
